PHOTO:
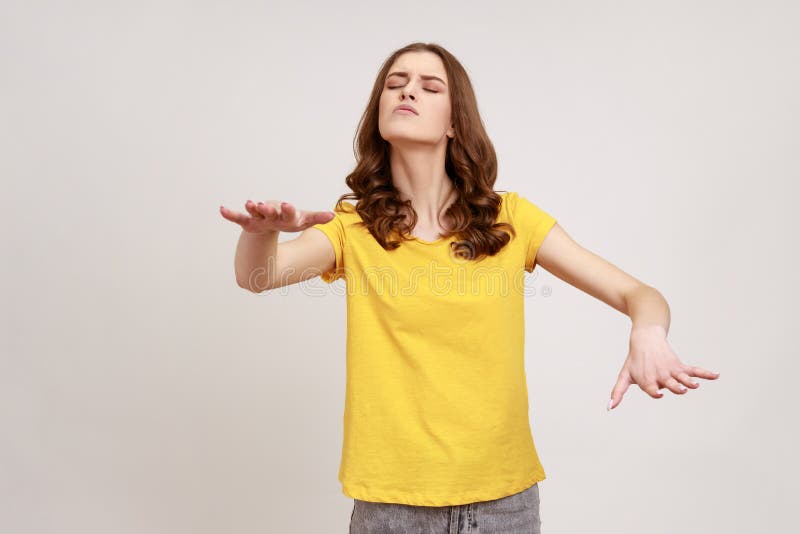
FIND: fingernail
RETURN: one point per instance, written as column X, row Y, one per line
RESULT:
column 715, row 372
column 695, row 383
column 608, row 406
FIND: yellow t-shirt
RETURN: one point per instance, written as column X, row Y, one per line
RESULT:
column 436, row 402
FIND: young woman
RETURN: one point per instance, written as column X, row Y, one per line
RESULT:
column 436, row 424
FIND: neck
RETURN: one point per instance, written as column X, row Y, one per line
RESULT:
column 419, row 174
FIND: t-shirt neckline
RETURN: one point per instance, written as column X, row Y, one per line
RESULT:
column 424, row 242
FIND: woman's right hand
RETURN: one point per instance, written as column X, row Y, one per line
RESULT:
column 274, row 215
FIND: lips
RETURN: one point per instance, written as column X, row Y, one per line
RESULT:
column 407, row 108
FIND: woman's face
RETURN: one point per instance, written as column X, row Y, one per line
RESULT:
column 416, row 79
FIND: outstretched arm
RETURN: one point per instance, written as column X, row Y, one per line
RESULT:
column 651, row 362
column 261, row 263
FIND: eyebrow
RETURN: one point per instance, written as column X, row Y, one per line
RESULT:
column 423, row 76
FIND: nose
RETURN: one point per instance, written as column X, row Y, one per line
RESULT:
column 408, row 91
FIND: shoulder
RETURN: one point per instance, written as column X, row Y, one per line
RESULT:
column 522, row 210
column 345, row 216
column 345, row 208
column 508, row 203
column 509, row 197
column 343, row 211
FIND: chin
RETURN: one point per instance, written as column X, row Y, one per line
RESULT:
column 409, row 141
column 406, row 135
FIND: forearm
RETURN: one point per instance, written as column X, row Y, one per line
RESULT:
column 647, row 308
column 255, row 253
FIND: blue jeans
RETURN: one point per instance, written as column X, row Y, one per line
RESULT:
column 514, row 514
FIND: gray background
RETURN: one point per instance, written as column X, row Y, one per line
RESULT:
column 142, row 391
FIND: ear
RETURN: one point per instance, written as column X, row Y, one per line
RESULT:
column 451, row 132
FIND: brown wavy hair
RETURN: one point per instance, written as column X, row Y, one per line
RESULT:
column 470, row 163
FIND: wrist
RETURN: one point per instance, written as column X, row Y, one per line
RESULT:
column 649, row 329
column 266, row 234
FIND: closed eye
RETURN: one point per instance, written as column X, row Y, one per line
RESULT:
column 429, row 90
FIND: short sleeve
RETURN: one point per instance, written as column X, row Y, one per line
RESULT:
column 335, row 230
column 532, row 224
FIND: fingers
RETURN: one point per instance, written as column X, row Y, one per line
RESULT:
column 699, row 372
column 323, row 216
column 287, row 212
column 258, row 210
column 652, row 389
column 623, row 382
column 679, row 382
column 274, row 210
column 233, row 216
column 268, row 210
column 675, row 386
column 686, row 380
column 251, row 206
column 310, row 218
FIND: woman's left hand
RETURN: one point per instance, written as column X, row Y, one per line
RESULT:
column 652, row 365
